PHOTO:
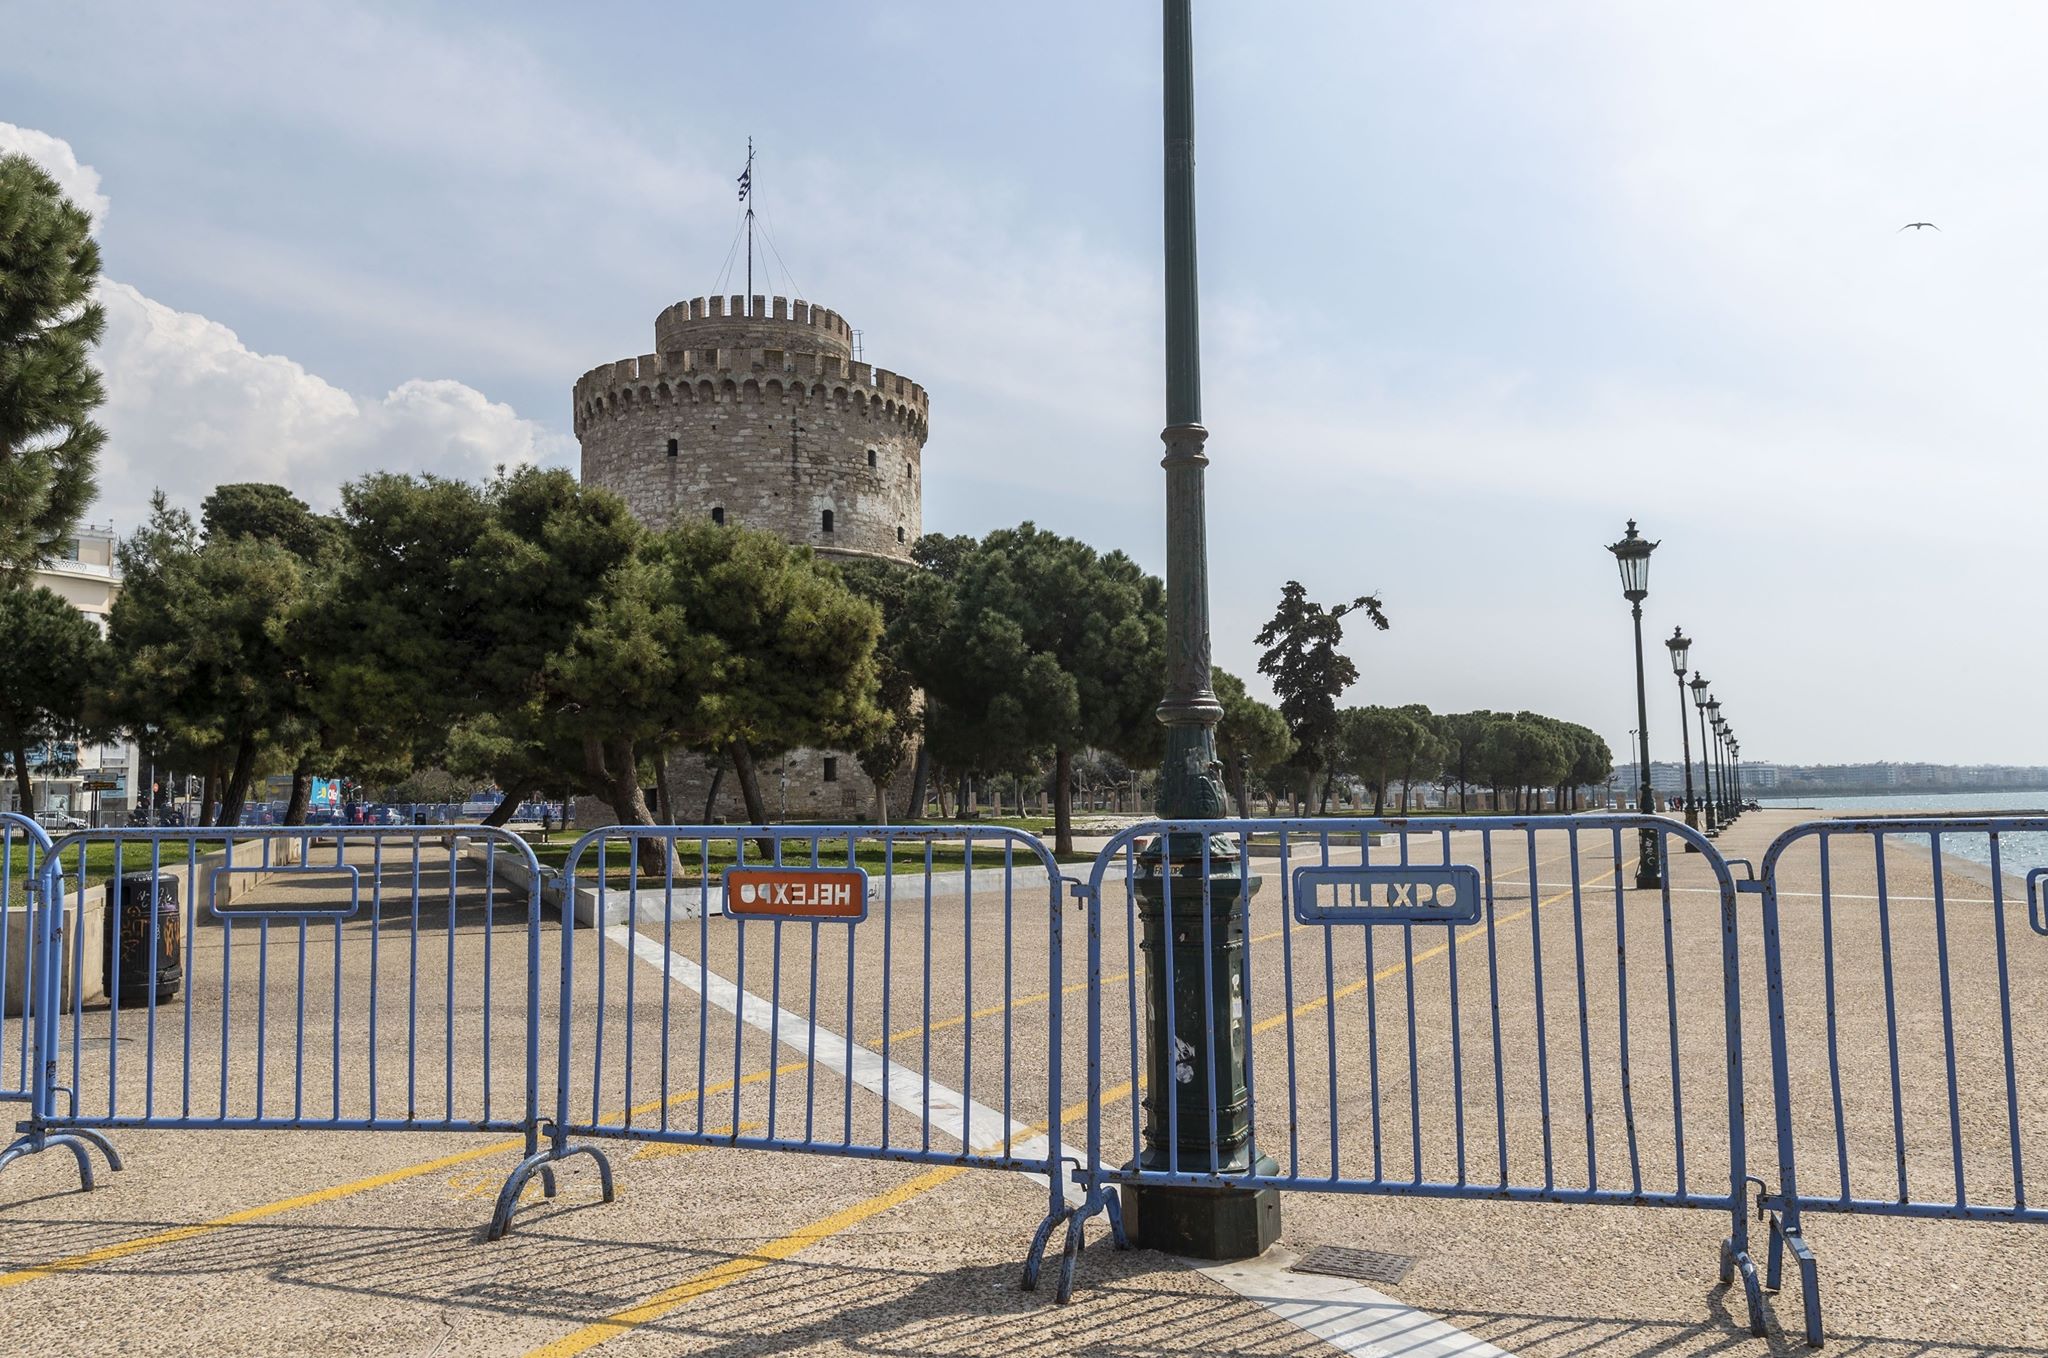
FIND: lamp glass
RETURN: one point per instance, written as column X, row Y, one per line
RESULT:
column 1680, row 647
column 1632, row 554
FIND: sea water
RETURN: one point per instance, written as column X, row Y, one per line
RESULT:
column 2018, row 851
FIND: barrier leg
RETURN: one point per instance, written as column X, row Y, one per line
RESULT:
column 78, row 1141
column 1034, row 1259
column 542, row 1163
column 1734, row 1261
column 1113, row 1201
column 1794, row 1239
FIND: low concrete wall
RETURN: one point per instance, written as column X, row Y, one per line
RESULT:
column 83, row 930
column 511, row 871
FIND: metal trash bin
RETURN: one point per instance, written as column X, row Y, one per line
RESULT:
column 137, row 898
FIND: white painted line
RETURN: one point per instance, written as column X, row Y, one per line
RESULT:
column 975, row 1125
column 1348, row 1316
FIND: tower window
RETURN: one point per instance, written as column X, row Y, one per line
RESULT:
column 674, row 446
column 899, row 532
column 828, row 520
column 871, row 457
column 831, row 769
column 906, row 469
column 718, row 515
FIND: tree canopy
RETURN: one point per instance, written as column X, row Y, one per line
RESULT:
column 1035, row 644
column 1308, row 672
column 49, row 266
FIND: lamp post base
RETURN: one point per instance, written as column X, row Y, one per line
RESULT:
column 1204, row 1223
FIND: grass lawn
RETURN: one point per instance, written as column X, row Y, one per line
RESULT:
column 100, row 862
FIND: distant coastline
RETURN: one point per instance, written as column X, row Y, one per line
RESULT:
column 1789, row 791
column 1948, row 799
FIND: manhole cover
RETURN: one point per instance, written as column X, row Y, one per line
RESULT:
column 1369, row 1266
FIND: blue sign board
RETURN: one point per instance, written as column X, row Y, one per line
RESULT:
column 1371, row 894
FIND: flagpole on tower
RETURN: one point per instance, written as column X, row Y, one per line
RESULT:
column 747, row 197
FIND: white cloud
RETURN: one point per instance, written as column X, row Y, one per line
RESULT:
column 190, row 406
column 81, row 183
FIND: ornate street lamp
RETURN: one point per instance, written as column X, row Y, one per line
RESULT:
column 1735, row 757
column 1728, row 763
column 1699, row 703
column 1680, row 646
column 1192, row 890
column 1720, row 769
column 1632, row 554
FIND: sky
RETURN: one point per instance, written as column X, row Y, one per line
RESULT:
column 1479, row 283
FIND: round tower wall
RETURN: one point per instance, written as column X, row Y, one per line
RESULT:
column 857, row 455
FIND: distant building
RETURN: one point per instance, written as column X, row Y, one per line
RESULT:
column 95, row 783
column 1665, row 779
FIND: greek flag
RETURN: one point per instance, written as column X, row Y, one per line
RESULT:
column 746, row 181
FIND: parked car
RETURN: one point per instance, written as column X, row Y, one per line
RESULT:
column 59, row 820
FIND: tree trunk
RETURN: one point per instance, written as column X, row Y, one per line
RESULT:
column 1062, row 799
column 920, row 778
column 209, row 787
column 302, row 791
column 614, row 769
column 711, row 797
column 966, row 796
column 237, row 793
column 505, row 810
column 664, row 803
column 750, row 782
column 24, row 786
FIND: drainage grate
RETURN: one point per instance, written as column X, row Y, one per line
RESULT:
column 1370, row 1266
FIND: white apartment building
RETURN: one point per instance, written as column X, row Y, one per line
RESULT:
column 100, row 789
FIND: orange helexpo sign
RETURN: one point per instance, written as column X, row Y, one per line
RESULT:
column 797, row 893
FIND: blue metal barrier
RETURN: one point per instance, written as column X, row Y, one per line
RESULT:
column 1907, row 1028
column 1450, row 1008
column 23, row 847
column 1415, row 1002
column 875, row 992
column 333, row 977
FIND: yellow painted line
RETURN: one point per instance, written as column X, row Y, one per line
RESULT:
column 124, row 1248
column 725, row 1274
column 722, row 1275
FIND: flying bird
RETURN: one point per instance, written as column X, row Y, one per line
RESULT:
column 1915, row 226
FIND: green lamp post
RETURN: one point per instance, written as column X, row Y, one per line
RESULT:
column 1699, row 704
column 1720, row 769
column 1632, row 554
column 1192, row 891
column 1680, row 647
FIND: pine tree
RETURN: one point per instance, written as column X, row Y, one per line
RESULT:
column 49, row 266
